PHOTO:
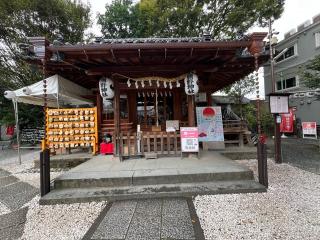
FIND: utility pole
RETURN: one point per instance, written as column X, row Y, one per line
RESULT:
column 277, row 136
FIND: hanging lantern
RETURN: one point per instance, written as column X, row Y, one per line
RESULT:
column 165, row 84
column 128, row 82
column 190, row 84
column 150, row 83
column 142, row 84
column 178, row 84
column 136, row 84
column 158, row 83
column 106, row 88
column 170, row 85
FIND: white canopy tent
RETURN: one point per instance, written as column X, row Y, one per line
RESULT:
column 60, row 92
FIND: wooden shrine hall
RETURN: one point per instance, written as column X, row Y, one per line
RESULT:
column 148, row 80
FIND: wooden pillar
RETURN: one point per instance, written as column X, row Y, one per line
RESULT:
column 116, row 114
column 209, row 99
column 99, row 109
column 177, row 114
column 191, row 112
column 132, row 107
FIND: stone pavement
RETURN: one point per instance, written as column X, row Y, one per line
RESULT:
column 14, row 194
column 168, row 218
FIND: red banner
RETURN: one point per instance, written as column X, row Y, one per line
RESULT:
column 286, row 125
column 10, row 130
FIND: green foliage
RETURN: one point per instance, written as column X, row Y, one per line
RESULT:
column 250, row 114
column 311, row 74
column 186, row 18
column 239, row 89
column 28, row 18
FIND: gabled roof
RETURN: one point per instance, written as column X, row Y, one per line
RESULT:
column 217, row 63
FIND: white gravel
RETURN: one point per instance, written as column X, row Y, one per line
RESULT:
column 289, row 210
column 61, row 221
column 4, row 209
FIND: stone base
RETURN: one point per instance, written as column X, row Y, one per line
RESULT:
column 213, row 145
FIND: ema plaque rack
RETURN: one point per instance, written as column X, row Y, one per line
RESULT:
column 72, row 128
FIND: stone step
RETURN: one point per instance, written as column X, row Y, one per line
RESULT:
column 148, row 177
column 75, row 195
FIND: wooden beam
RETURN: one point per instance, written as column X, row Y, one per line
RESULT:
column 116, row 114
column 171, row 45
column 177, row 114
column 132, row 102
column 151, row 68
column 99, row 109
column 191, row 112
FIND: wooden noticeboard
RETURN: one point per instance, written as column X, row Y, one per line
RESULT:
column 72, row 128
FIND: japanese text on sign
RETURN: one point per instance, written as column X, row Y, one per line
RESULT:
column 189, row 139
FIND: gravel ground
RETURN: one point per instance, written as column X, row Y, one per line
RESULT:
column 60, row 221
column 3, row 209
column 48, row 222
column 289, row 210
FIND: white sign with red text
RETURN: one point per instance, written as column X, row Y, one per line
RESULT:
column 309, row 130
column 189, row 139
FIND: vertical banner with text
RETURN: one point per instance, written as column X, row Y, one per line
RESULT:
column 286, row 125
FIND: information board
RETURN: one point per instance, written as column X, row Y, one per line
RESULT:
column 172, row 125
column 210, row 124
column 189, row 139
column 279, row 104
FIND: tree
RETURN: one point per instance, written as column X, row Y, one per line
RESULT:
column 186, row 18
column 311, row 74
column 24, row 18
column 239, row 89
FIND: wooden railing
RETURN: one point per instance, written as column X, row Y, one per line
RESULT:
column 131, row 144
column 234, row 125
column 238, row 131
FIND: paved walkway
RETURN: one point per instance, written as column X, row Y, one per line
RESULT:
column 170, row 218
column 14, row 194
column 301, row 153
column 10, row 156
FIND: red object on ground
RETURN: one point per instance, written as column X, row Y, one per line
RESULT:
column 106, row 148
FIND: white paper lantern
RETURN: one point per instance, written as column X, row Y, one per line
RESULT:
column 128, row 82
column 191, row 84
column 106, row 88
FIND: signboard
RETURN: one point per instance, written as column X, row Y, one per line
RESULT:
column 189, row 139
column 286, row 125
column 201, row 97
column 210, row 124
column 172, row 125
column 309, row 130
column 279, row 104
